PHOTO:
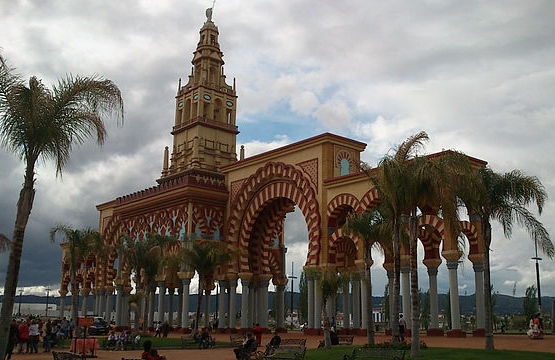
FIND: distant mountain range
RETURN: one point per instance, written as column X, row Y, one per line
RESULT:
column 504, row 304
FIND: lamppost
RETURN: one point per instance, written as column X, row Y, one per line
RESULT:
column 292, row 277
column 19, row 309
column 47, row 294
column 537, row 259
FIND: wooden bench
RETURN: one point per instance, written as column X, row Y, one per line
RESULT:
column 345, row 339
column 291, row 352
column 376, row 353
column 293, row 342
column 66, row 355
column 236, row 340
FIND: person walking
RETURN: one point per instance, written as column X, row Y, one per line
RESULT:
column 34, row 334
column 13, row 339
column 402, row 327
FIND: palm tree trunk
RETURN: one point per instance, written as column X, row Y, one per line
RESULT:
column 74, row 299
column 24, row 206
column 394, row 316
column 486, row 236
column 369, row 317
column 327, row 336
column 415, row 295
column 199, row 302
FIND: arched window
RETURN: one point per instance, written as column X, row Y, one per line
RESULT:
column 344, row 170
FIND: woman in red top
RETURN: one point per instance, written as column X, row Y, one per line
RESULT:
column 149, row 353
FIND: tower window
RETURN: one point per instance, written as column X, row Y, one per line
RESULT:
column 344, row 170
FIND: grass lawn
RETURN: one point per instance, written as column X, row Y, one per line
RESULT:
column 337, row 352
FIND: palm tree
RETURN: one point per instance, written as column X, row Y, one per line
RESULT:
column 330, row 282
column 40, row 123
column 370, row 226
column 504, row 198
column 145, row 258
column 392, row 179
column 433, row 183
column 81, row 243
column 205, row 257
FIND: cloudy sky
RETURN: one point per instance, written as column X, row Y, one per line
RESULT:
column 477, row 76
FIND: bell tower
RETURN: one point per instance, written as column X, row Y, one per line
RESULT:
column 204, row 132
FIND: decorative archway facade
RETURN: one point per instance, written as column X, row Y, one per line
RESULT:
column 207, row 192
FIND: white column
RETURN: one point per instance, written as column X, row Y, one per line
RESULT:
column 161, row 298
column 405, row 282
column 84, row 305
column 253, row 314
column 317, row 305
column 280, row 306
column 179, row 306
column 434, row 309
column 222, row 306
column 479, row 295
column 244, row 304
column 185, row 304
column 346, row 307
column 356, row 304
column 232, row 310
column 263, row 304
column 171, row 292
column 119, row 298
column 452, row 265
column 151, row 307
column 364, row 299
column 310, row 283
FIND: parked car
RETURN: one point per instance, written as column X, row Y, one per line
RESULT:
column 99, row 327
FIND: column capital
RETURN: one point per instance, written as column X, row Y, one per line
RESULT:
column 185, row 275
column 432, row 262
column 478, row 267
column 452, row 264
column 476, row 258
column 186, row 281
column 432, row 271
column 405, row 268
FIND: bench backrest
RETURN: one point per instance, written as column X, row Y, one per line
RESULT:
column 378, row 353
column 292, row 342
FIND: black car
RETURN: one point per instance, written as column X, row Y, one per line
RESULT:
column 99, row 327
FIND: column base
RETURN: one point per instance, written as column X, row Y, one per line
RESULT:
column 435, row 332
column 456, row 333
column 479, row 333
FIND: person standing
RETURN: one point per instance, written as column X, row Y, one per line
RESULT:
column 34, row 334
column 258, row 334
column 402, row 327
column 23, row 336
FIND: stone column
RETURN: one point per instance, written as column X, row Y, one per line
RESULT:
column 317, row 305
column 84, row 306
column 119, row 302
column 185, row 304
column 310, row 283
column 434, row 308
column 452, row 265
column 253, row 314
column 405, row 288
column 151, row 306
column 356, row 304
column 263, row 303
column 109, row 306
column 364, row 299
column 280, row 306
column 346, row 307
column 171, row 292
column 479, row 295
column 232, row 310
column 222, row 305
column 245, row 303
column 161, row 300
column 207, row 297
column 179, row 306
column 102, row 304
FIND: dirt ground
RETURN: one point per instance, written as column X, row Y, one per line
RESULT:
column 501, row 342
